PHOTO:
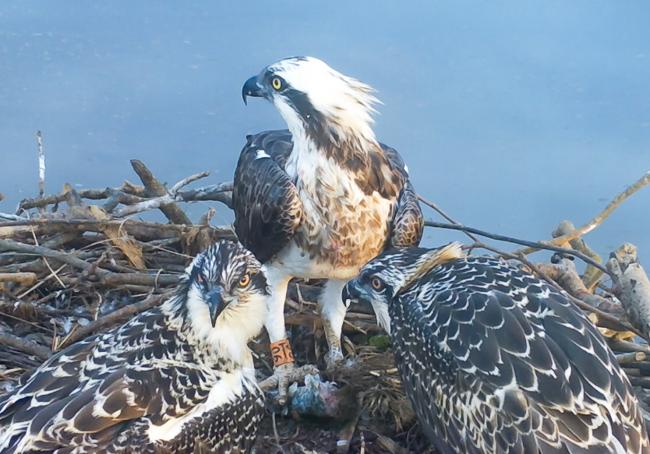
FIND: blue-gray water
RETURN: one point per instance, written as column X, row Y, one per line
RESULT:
column 511, row 115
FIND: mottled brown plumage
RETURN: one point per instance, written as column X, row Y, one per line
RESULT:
column 325, row 197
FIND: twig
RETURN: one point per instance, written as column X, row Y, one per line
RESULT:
column 595, row 222
column 509, row 239
column 445, row 215
column 631, row 358
column 41, row 166
column 632, row 286
column 10, row 245
column 591, row 275
column 137, row 229
column 156, row 188
column 185, row 181
column 106, row 277
column 211, row 193
column 25, row 346
column 43, row 281
column 52, row 272
column 127, row 188
column 12, row 217
column 24, row 278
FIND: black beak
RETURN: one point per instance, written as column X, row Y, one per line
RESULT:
column 353, row 292
column 216, row 304
column 251, row 88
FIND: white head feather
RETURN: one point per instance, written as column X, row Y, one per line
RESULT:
column 345, row 102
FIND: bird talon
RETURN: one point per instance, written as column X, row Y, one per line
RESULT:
column 283, row 376
column 333, row 358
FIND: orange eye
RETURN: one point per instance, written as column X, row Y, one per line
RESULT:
column 245, row 280
column 200, row 279
column 377, row 283
column 276, row 83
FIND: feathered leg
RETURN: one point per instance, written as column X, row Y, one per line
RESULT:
column 283, row 364
column 333, row 312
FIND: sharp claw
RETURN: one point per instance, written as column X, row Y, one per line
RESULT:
column 333, row 358
column 283, row 376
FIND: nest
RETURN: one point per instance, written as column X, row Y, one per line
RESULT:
column 78, row 263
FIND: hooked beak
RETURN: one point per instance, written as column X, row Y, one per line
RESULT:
column 353, row 292
column 251, row 88
column 216, row 304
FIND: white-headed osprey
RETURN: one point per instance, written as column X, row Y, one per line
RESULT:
column 494, row 360
column 323, row 198
column 177, row 378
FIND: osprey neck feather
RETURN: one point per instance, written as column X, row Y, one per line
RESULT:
column 332, row 114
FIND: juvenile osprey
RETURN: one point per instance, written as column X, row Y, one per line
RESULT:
column 323, row 198
column 494, row 360
column 177, row 378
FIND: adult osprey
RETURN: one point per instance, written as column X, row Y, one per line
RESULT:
column 177, row 378
column 323, row 198
column 496, row 360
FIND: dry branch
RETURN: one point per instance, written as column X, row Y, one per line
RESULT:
column 131, row 192
column 153, row 187
column 592, row 275
column 24, row 278
column 564, row 273
column 509, row 239
column 632, row 286
column 596, row 221
column 97, row 280
column 24, row 345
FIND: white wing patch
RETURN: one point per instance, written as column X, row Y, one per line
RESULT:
column 261, row 154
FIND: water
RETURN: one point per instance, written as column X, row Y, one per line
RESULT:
column 511, row 115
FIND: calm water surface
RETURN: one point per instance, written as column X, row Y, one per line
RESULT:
column 511, row 115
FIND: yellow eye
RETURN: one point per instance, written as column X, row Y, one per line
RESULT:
column 276, row 83
column 377, row 283
column 245, row 280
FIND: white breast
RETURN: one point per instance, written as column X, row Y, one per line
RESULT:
column 339, row 218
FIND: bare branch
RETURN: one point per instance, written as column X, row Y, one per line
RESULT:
column 444, row 215
column 596, row 221
column 156, row 188
column 24, row 346
column 185, row 181
column 509, row 239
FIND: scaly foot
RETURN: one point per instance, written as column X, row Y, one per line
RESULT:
column 285, row 375
column 333, row 358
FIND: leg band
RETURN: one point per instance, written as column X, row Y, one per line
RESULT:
column 281, row 352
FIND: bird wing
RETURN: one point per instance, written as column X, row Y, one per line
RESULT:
column 267, row 207
column 528, row 367
column 407, row 224
column 91, row 388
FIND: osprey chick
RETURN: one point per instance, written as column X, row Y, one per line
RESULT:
column 173, row 378
column 494, row 360
column 323, row 198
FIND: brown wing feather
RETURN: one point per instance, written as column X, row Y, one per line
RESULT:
column 266, row 203
column 407, row 225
